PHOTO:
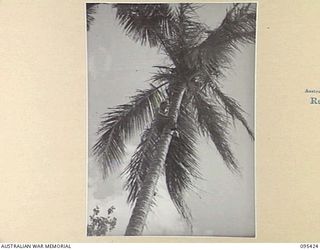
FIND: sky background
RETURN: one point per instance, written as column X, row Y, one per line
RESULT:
column 117, row 67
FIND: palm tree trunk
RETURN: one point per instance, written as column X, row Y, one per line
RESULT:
column 145, row 197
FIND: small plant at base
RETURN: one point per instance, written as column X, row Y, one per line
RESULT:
column 99, row 225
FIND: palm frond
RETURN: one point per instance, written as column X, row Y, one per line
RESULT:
column 214, row 124
column 216, row 52
column 140, row 162
column 187, row 29
column 234, row 109
column 146, row 23
column 181, row 166
column 121, row 122
column 91, row 9
column 210, row 86
column 164, row 75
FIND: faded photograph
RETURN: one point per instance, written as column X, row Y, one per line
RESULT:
column 171, row 100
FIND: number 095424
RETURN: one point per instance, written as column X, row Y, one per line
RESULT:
column 308, row 245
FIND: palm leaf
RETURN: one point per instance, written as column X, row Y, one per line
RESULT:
column 187, row 29
column 181, row 165
column 91, row 9
column 215, row 124
column 234, row 109
column 120, row 124
column 216, row 52
column 164, row 75
column 140, row 162
column 209, row 86
column 146, row 23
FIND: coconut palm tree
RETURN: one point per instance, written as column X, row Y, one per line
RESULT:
column 184, row 100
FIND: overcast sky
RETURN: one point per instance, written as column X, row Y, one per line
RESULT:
column 117, row 67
